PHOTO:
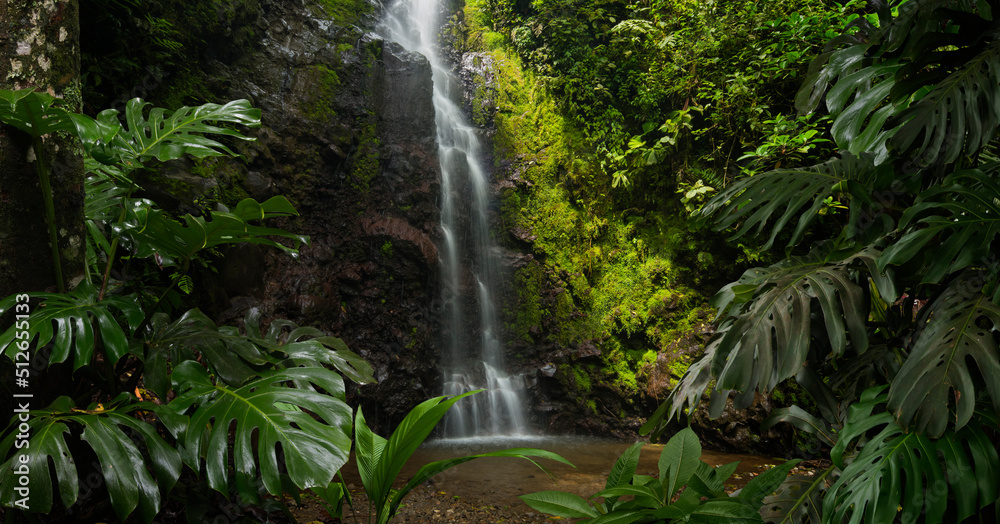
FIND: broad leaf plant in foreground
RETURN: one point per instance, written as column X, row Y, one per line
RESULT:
column 887, row 315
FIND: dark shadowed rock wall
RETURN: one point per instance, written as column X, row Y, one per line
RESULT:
column 348, row 136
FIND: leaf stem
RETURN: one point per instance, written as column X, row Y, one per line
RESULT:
column 50, row 212
column 114, row 241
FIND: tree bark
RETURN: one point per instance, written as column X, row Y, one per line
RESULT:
column 40, row 48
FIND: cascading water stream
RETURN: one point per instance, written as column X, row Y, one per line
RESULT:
column 470, row 270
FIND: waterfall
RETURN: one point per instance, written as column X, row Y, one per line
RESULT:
column 472, row 356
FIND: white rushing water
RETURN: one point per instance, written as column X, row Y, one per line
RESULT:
column 470, row 271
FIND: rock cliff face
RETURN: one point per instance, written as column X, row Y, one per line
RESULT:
column 348, row 136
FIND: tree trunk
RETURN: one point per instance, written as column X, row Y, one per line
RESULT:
column 40, row 48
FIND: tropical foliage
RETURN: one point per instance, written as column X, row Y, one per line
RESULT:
column 887, row 314
column 249, row 411
column 381, row 460
column 687, row 490
column 144, row 388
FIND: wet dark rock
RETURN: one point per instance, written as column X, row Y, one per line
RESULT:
column 739, row 430
column 348, row 136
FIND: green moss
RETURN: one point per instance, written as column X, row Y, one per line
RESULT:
column 622, row 373
column 623, row 267
column 528, row 316
column 365, row 164
column 346, row 12
column 326, row 86
column 582, row 379
column 387, row 249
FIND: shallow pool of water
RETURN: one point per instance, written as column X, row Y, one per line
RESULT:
column 501, row 480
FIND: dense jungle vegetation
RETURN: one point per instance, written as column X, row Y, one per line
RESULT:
column 724, row 201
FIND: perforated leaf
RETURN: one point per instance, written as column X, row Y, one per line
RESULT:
column 135, row 476
column 162, row 134
column 777, row 197
column 916, row 85
column 311, row 427
column 155, row 233
column 74, row 321
column 236, row 357
column 959, row 115
column 799, row 500
column 908, row 473
column 952, row 358
column 960, row 219
column 769, row 338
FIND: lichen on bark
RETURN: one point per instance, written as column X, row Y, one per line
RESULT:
column 41, row 51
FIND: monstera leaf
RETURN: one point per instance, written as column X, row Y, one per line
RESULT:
column 961, row 465
column 915, row 86
column 798, row 500
column 757, row 201
column 162, row 135
column 33, row 112
column 74, row 321
column 222, row 349
column 311, row 427
column 964, row 217
column 960, row 115
column 306, row 346
column 109, row 433
column 235, row 357
column 154, row 233
column 956, row 351
column 769, row 338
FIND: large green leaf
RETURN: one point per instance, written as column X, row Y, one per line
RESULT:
column 954, row 353
column 47, row 443
column 384, row 461
column 311, row 427
column 33, row 112
column 908, row 473
column 224, row 350
column 959, row 115
column 175, row 243
column 679, row 460
column 963, row 222
column 710, row 482
column 622, row 471
column 757, row 201
column 766, row 326
column 163, row 135
column 798, row 500
column 768, row 340
column 133, row 476
column 236, row 356
column 915, row 85
column 560, row 504
column 74, row 321
column 305, row 346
